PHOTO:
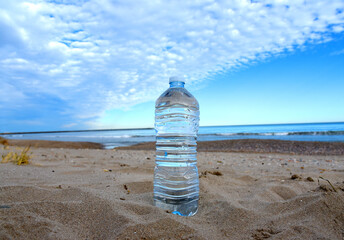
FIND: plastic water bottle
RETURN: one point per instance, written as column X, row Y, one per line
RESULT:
column 176, row 184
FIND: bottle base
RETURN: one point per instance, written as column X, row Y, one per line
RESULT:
column 184, row 208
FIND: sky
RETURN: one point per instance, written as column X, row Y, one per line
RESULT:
column 101, row 64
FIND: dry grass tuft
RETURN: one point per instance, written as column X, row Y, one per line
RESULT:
column 19, row 159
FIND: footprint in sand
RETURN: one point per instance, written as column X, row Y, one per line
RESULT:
column 57, row 214
column 138, row 209
column 284, row 192
column 158, row 230
column 140, row 187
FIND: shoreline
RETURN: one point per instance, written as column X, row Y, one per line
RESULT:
column 236, row 146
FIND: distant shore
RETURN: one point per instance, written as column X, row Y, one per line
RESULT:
column 74, row 131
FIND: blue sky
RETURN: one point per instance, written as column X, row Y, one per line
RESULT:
column 101, row 64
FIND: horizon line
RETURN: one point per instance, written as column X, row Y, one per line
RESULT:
column 126, row 129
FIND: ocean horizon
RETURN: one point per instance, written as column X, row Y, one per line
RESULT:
column 110, row 138
column 148, row 128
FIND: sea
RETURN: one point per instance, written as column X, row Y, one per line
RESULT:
column 111, row 138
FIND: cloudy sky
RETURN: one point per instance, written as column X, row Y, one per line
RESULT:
column 101, row 63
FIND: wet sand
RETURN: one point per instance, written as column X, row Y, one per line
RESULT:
column 260, row 146
column 51, row 144
column 67, row 193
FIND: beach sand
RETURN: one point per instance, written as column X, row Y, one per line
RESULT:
column 67, row 193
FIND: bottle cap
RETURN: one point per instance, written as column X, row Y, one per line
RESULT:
column 177, row 79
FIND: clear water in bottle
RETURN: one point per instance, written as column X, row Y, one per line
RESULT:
column 176, row 184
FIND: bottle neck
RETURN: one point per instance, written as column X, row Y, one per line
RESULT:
column 177, row 84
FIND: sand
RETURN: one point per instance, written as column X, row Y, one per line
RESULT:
column 107, row 194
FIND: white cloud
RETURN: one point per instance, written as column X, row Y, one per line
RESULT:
column 102, row 54
column 69, row 125
column 338, row 52
column 11, row 96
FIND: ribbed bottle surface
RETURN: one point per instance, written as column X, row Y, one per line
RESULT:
column 176, row 185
